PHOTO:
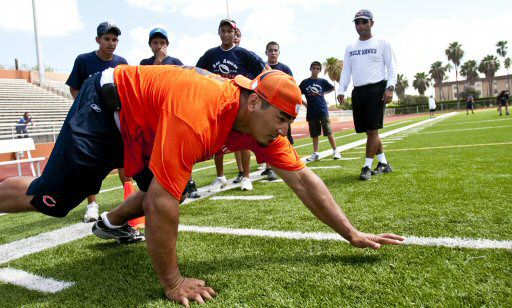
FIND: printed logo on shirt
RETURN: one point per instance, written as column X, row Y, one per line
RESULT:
column 362, row 52
column 314, row 89
column 96, row 108
column 225, row 68
column 49, row 201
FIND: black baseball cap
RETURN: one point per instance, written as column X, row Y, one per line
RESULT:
column 106, row 27
column 228, row 21
column 363, row 14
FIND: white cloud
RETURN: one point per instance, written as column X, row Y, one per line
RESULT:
column 424, row 41
column 217, row 8
column 17, row 15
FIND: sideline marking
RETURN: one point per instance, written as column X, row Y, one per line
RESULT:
column 1, row 214
column 32, row 282
column 411, row 240
column 242, row 198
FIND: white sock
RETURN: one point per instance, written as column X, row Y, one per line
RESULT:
column 92, row 203
column 382, row 158
column 368, row 163
column 107, row 222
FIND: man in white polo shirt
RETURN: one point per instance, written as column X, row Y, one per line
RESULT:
column 371, row 63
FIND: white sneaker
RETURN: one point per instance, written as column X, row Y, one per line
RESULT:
column 246, row 184
column 313, row 157
column 219, row 183
column 92, row 212
column 336, row 155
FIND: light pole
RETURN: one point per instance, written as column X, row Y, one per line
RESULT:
column 40, row 64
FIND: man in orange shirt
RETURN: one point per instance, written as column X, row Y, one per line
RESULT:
column 167, row 118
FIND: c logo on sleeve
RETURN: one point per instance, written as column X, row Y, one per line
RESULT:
column 49, row 201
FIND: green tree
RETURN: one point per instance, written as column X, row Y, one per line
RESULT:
column 455, row 53
column 333, row 67
column 506, row 63
column 401, row 84
column 421, row 82
column 470, row 71
column 438, row 72
column 488, row 66
column 501, row 50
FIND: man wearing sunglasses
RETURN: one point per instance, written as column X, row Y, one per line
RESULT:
column 371, row 63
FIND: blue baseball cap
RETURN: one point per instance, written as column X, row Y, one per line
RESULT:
column 106, row 27
column 363, row 14
column 158, row 32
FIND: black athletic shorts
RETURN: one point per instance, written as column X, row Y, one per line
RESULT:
column 316, row 126
column 469, row 105
column 89, row 146
column 368, row 107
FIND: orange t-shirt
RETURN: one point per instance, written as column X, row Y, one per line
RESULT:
column 172, row 117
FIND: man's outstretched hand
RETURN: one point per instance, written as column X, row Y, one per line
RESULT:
column 374, row 241
column 190, row 289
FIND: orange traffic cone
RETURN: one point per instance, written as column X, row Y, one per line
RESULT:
column 139, row 222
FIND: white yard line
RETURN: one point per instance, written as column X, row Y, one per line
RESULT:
column 464, row 129
column 40, row 242
column 242, row 198
column 1, row 214
column 32, row 282
column 412, row 240
column 324, row 167
column 452, row 146
column 274, row 181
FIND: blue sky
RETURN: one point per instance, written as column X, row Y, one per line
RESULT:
column 307, row 30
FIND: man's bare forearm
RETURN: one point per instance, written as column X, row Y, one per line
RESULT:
column 317, row 198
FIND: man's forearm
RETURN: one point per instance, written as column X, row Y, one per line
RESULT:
column 162, row 219
column 317, row 198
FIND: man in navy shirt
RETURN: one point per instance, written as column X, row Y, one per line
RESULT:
column 158, row 42
column 229, row 60
column 317, row 115
column 88, row 64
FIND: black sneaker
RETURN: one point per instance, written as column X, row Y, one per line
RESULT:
column 124, row 235
column 366, row 173
column 238, row 178
column 266, row 171
column 191, row 190
column 382, row 168
column 271, row 175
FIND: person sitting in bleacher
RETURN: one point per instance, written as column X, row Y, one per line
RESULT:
column 21, row 126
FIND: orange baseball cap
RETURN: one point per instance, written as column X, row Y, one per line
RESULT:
column 277, row 88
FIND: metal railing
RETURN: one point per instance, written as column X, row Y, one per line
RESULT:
column 51, row 129
column 441, row 106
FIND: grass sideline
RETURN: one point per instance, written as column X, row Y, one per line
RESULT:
column 437, row 190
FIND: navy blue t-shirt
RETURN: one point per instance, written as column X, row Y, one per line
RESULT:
column 314, row 90
column 167, row 61
column 282, row 67
column 229, row 63
column 88, row 64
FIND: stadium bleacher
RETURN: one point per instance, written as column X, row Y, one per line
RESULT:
column 48, row 109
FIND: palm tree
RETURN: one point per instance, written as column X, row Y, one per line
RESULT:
column 506, row 64
column 455, row 53
column 470, row 71
column 488, row 66
column 333, row 67
column 421, row 82
column 501, row 50
column 401, row 84
column 438, row 73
